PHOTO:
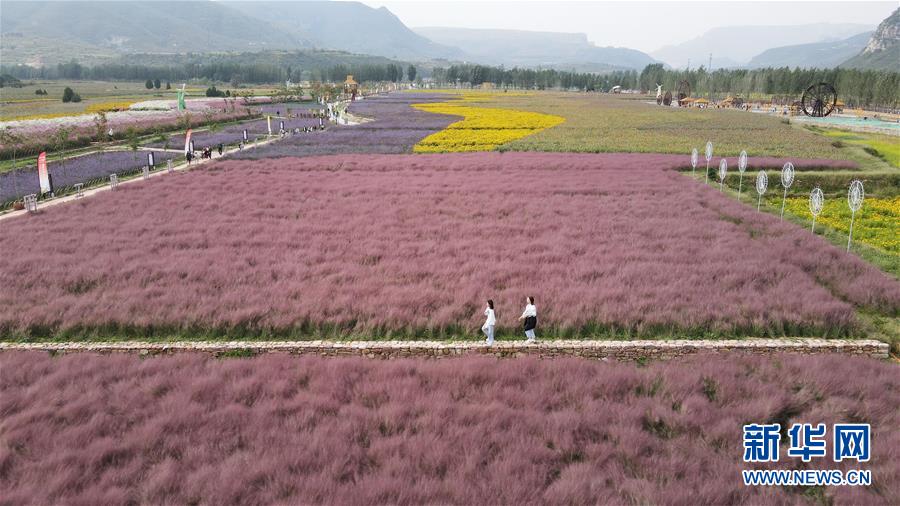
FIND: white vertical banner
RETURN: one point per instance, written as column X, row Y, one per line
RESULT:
column 855, row 198
column 708, row 153
column 43, row 174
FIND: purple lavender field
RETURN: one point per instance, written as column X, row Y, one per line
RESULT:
column 233, row 134
column 82, row 169
column 396, row 128
column 275, row 429
column 286, row 108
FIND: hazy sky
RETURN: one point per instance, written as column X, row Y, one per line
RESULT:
column 646, row 26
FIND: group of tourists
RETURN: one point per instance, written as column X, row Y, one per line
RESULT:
column 206, row 152
column 529, row 318
column 299, row 130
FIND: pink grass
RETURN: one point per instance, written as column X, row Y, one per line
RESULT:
column 88, row 429
column 414, row 245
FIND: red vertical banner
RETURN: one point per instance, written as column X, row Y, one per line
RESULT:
column 187, row 142
column 43, row 175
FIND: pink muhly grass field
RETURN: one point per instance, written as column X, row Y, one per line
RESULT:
column 189, row 429
column 412, row 246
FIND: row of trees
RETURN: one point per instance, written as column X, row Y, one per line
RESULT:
column 235, row 73
column 477, row 75
column 381, row 73
column 155, row 83
column 855, row 87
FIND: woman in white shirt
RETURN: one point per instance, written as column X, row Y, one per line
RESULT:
column 489, row 323
column 530, row 317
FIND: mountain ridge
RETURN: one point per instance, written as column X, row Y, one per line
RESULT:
column 882, row 52
column 816, row 54
column 527, row 48
column 733, row 46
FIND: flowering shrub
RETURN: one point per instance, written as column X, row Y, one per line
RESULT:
column 374, row 245
column 876, row 224
column 482, row 129
column 189, row 429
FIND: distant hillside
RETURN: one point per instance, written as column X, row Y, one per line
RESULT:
column 124, row 27
column 531, row 49
column 883, row 50
column 46, row 32
column 736, row 45
column 348, row 26
column 817, row 54
column 279, row 58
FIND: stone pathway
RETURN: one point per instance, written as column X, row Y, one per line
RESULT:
column 619, row 350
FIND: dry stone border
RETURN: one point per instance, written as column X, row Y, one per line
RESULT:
column 617, row 350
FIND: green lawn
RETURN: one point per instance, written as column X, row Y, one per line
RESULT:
column 883, row 146
column 609, row 123
column 22, row 103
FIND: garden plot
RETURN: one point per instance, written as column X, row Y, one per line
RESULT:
column 395, row 128
column 412, row 246
column 85, row 169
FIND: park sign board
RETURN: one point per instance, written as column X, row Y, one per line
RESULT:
column 43, row 174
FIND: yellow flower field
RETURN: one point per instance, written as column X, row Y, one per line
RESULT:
column 877, row 223
column 81, row 108
column 109, row 106
column 482, row 128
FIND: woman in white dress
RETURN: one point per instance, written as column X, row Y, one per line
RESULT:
column 489, row 322
column 530, row 317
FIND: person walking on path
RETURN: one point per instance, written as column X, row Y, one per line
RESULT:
column 530, row 317
column 489, row 323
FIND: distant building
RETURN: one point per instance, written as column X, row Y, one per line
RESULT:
column 351, row 87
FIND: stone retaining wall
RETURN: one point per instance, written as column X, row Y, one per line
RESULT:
column 618, row 350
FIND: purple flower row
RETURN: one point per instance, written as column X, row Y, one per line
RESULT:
column 82, row 169
column 233, row 134
column 281, row 108
column 395, row 128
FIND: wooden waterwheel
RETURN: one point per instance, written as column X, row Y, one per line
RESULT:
column 819, row 100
